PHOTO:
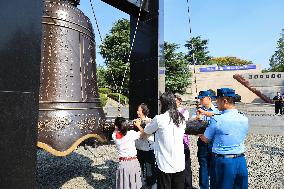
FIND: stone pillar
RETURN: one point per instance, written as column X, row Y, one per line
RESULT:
column 20, row 57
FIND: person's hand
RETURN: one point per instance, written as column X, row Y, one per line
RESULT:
column 206, row 113
column 137, row 122
column 198, row 115
column 148, row 120
column 201, row 111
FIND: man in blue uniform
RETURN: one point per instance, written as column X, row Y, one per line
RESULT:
column 227, row 132
column 205, row 112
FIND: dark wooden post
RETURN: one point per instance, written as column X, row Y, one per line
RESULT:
column 20, row 56
column 147, row 69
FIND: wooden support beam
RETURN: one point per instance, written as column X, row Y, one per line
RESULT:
column 130, row 7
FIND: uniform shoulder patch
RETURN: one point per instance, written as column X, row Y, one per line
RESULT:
column 216, row 116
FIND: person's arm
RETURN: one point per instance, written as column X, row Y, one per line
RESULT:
column 275, row 98
column 205, row 113
column 149, row 129
column 137, row 123
column 209, row 132
column 196, row 116
column 203, row 138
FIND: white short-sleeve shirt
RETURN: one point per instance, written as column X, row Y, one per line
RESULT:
column 126, row 144
column 168, row 146
column 145, row 144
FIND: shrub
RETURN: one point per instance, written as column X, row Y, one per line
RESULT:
column 104, row 90
column 103, row 98
column 115, row 96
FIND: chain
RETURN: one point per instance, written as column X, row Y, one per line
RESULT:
column 192, row 46
column 132, row 44
column 101, row 39
column 189, row 19
column 129, row 54
column 190, row 32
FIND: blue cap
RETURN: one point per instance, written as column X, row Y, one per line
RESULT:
column 226, row 92
column 203, row 94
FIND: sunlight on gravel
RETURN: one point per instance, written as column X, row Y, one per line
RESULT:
column 95, row 167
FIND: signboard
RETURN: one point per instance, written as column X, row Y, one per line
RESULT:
column 227, row 68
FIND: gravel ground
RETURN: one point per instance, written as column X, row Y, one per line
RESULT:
column 95, row 167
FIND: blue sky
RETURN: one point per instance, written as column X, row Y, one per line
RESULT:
column 247, row 29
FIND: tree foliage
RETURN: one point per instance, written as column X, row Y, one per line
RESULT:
column 277, row 59
column 197, row 51
column 229, row 61
column 101, row 75
column 177, row 70
column 114, row 49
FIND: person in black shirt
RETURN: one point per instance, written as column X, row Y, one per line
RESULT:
column 278, row 100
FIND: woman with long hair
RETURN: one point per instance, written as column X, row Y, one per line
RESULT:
column 169, row 129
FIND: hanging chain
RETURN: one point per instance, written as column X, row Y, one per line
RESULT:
column 131, row 47
column 189, row 19
column 190, row 32
column 192, row 46
column 129, row 53
column 132, row 44
column 101, row 39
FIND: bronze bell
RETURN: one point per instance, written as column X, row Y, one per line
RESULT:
column 69, row 108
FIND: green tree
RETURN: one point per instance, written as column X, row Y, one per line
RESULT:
column 114, row 49
column 229, row 61
column 177, row 71
column 277, row 59
column 101, row 75
column 197, row 51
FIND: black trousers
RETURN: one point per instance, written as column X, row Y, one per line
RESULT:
column 278, row 109
column 187, row 170
column 170, row 180
column 148, row 166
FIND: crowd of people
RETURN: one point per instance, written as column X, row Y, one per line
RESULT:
column 157, row 153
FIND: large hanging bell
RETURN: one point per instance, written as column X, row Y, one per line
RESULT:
column 69, row 108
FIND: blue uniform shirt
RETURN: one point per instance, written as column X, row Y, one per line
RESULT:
column 211, row 109
column 227, row 132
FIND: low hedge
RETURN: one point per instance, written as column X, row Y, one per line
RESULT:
column 115, row 96
column 104, row 90
column 103, row 98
